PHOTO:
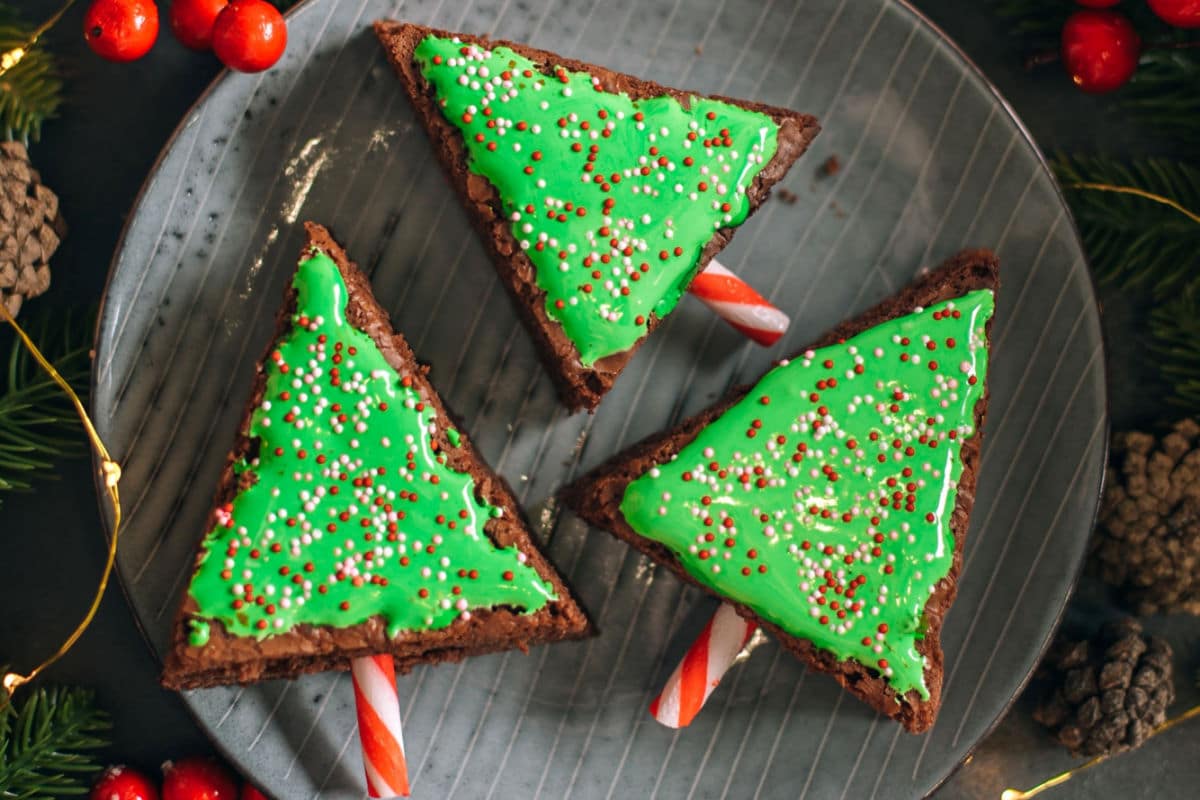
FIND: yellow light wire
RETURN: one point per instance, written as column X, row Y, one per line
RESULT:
column 1142, row 193
column 1063, row 777
column 112, row 477
column 11, row 58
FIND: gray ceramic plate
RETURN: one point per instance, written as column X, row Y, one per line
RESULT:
column 932, row 160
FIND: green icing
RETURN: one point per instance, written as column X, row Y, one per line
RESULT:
column 454, row 437
column 351, row 511
column 612, row 199
column 822, row 500
column 198, row 632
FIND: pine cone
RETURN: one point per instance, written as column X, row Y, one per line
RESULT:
column 1108, row 695
column 30, row 228
column 1147, row 542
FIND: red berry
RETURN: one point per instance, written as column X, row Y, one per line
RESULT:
column 1180, row 13
column 121, row 30
column 198, row 779
column 1097, row 3
column 249, row 36
column 250, row 793
column 192, row 21
column 1100, row 50
column 123, row 783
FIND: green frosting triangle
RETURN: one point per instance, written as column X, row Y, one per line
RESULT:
column 823, row 499
column 612, row 199
column 351, row 511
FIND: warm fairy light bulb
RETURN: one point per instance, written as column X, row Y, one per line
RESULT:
column 11, row 681
column 11, row 59
column 1011, row 794
column 112, row 473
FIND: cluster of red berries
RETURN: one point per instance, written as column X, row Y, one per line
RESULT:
column 1100, row 46
column 247, row 35
column 186, row 779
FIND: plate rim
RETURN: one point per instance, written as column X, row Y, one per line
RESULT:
column 1106, row 409
column 919, row 19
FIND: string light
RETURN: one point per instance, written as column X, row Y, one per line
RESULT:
column 1142, row 193
column 111, row 472
column 11, row 58
column 1063, row 777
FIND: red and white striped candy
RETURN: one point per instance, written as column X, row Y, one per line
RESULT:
column 714, row 651
column 378, row 707
column 736, row 302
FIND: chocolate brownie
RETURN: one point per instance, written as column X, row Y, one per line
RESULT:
column 417, row 578
column 588, row 301
column 840, row 559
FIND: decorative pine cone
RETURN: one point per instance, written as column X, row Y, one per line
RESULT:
column 1147, row 542
column 1107, row 695
column 30, row 228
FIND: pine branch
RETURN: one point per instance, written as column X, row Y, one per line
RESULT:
column 37, row 423
column 1164, row 95
column 45, row 743
column 31, row 90
column 1134, row 242
column 1175, row 345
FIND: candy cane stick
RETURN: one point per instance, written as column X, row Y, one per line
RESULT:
column 738, row 304
column 378, row 707
column 725, row 640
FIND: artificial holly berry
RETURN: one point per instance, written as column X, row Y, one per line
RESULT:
column 192, row 21
column 250, row 793
column 198, row 779
column 123, row 783
column 1100, row 50
column 121, row 30
column 249, row 35
column 1097, row 3
column 1180, row 13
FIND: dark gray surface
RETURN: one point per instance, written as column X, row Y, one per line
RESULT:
column 96, row 157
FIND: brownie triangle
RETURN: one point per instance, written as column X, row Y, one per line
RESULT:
column 353, row 517
column 599, row 195
column 829, row 501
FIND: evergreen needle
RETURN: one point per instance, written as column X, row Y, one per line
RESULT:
column 46, row 743
column 1138, row 219
column 38, row 426
column 30, row 85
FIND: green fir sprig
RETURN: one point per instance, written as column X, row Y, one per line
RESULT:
column 1140, row 222
column 1174, row 343
column 31, row 89
column 37, row 422
column 1134, row 242
column 46, row 741
column 1165, row 95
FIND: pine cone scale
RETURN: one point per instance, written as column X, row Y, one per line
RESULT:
column 1147, row 541
column 1107, row 696
column 31, row 228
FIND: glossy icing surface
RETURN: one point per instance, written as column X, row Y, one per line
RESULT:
column 823, row 499
column 348, row 510
column 612, row 199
